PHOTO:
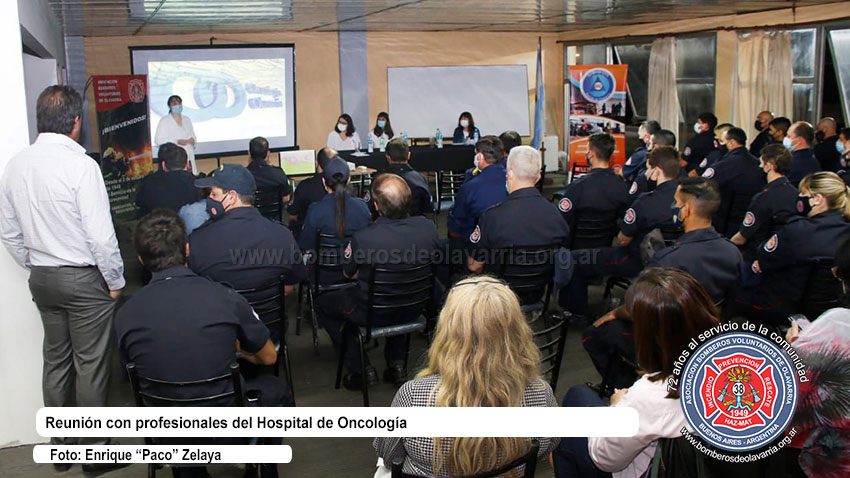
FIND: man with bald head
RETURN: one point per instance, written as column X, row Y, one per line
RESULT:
column 764, row 138
column 825, row 151
column 524, row 219
column 395, row 239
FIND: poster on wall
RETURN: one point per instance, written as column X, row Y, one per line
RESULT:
column 597, row 105
column 121, row 102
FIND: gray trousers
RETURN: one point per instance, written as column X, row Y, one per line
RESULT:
column 77, row 314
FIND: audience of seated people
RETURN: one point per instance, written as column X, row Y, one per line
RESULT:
column 308, row 191
column 171, row 187
column 642, row 184
column 398, row 155
column 267, row 176
column 698, row 147
column 479, row 310
column 763, row 138
column 799, row 141
column 824, row 150
column 636, row 164
column 739, row 178
column 715, row 155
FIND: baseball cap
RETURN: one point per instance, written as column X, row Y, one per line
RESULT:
column 333, row 167
column 230, row 177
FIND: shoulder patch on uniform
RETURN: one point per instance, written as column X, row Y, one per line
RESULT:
column 709, row 173
column 633, row 189
column 348, row 251
column 771, row 243
column 476, row 235
column 687, row 151
column 630, row 216
column 756, row 268
column 368, row 196
column 749, row 219
column 716, row 144
column 565, row 205
column 704, row 163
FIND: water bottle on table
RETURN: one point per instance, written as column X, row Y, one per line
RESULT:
column 439, row 139
column 370, row 146
column 404, row 138
column 382, row 143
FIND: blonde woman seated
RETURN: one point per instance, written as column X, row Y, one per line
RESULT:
column 483, row 355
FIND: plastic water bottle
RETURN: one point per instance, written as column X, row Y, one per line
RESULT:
column 404, row 138
column 476, row 136
column 439, row 138
column 382, row 145
column 370, row 146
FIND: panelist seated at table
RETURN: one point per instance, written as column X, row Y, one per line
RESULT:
column 344, row 136
column 398, row 154
column 466, row 131
column 382, row 130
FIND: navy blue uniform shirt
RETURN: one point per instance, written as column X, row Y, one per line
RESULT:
column 739, row 178
column 269, row 177
column 803, row 163
column 182, row 327
column 827, row 155
column 706, row 255
column 166, row 189
column 321, row 218
column 698, row 147
column 600, row 191
column 420, row 202
column 784, row 260
column 307, row 192
column 762, row 139
column 636, row 163
column 649, row 211
column 712, row 159
column 245, row 250
column 768, row 212
column 484, row 190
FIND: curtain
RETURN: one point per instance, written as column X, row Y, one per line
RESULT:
column 663, row 97
column 764, row 78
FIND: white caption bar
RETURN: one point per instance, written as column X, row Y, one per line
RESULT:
column 162, row 454
column 337, row 422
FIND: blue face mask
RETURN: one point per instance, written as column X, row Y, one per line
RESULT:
column 840, row 147
column 787, row 143
column 177, row 109
column 697, row 129
column 381, row 123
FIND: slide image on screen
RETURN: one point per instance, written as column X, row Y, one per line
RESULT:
column 214, row 92
column 230, row 93
column 298, row 163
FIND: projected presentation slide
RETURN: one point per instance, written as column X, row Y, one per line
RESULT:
column 298, row 163
column 230, row 94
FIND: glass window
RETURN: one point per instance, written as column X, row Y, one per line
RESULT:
column 804, row 101
column 592, row 54
column 696, row 60
column 637, row 58
column 839, row 41
column 803, row 52
column 803, row 48
column 695, row 57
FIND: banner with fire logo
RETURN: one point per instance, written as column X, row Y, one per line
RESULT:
column 121, row 102
column 597, row 105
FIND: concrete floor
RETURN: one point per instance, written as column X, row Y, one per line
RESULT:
column 313, row 377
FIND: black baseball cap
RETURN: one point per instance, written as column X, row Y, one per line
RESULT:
column 230, row 177
column 335, row 166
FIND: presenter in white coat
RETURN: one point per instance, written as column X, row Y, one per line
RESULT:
column 176, row 128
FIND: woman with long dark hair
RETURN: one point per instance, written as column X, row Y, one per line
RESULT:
column 466, row 131
column 344, row 136
column 669, row 308
column 382, row 130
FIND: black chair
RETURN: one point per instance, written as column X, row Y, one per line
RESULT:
column 551, row 341
column 149, row 391
column 614, row 282
column 400, row 289
column 270, row 203
column 529, row 461
column 447, row 184
column 327, row 263
column 593, row 228
column 528, row 270
column 823, row 290
column 269, row 302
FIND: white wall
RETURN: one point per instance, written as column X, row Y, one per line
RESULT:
column 20, row 326
column 38, row 74
column 41, row 31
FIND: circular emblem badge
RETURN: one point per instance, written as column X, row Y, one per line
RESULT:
column 476, row 235
column 633, row 189
column 348, row 251
column 565, row 205
column 703, row 163
column 771, row 243
column 709, row 173
column 368, row 196
column 630, row 216
column 136, row 91
column 749, row 219
column 598, row 85
column 739, row 391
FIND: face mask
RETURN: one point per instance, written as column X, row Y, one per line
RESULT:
column 839, row 146
column 214, row 208
column 381, row 124
column 758, row 125
column 464, row 123
column 676, row 210
column 697, row 129
column 177, row 109
column 475, row 162
column 820, row 136
column 340, row 127
column 803, row 206
column 787, row 143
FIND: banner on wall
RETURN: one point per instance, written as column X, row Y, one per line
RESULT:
column 597, row 105
column 121, row 102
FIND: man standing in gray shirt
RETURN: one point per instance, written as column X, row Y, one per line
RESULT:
column 55, row 221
